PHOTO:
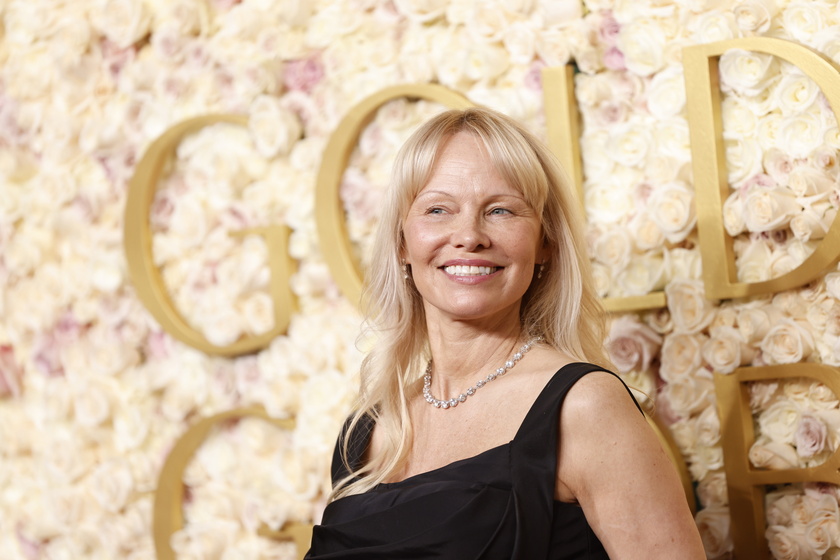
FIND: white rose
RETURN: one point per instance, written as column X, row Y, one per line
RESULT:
column 773, row 455
column 632, row 344
column 787, row 342
column 552, row 46
column 726, row 350
column 672, row 139
column 752, row 262
column 803, row 20
column 743, row 159
column 629, row 143
column 714, row 526
column 832, row 284
column 111, row 485
column 559, row 13
column 733, row 214
column 747, row 72
column 488, row 21
column 713, row 491
column 643, row 275
column 787, row 542
column 801, row 134
column 666, row 93
column 601, row 279
column 613, row 248
column 821, row 534
column 708, row 427
column 681, row 355
column 685, row 435
column 520, row 40
column 91, row 404
column 769, row 209
column 597, row 165
column 606, row 203
column 645, row 232
column 796, row 92
column 827, row 42
column 779, row 421
column 813, row 223
column 421, row 11
column 704, row 460
column 738, row 120
column 805, row 180
column 486, row 62
column 642, row 42
column 714, row 25
column 754, row 16
column 123, row 22
column 671, row 206
column 762, row 394
column 274, row 128
column 691, row 394
column 684, row 264
column 690, row 310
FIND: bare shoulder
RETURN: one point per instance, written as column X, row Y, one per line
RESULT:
column 611, row 462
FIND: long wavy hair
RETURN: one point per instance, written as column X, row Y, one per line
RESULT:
column 562, row 306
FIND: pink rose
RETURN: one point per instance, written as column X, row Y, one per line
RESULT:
column 632, row 344
column 614, row 59
column 304, row 74
column 810, row 436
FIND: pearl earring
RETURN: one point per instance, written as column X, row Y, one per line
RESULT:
column 539, row 274
column 405, row 270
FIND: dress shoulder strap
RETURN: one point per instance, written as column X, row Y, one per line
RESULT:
column 534, row 462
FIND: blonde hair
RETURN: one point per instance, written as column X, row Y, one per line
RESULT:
column 562, row 306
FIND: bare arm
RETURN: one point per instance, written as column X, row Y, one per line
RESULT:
column 611, row 462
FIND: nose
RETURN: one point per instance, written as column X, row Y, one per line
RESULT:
column 470, row 233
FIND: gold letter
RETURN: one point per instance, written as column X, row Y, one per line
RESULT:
column 563, row 123
column 168, row 517
column 147, row 280
column 329, row 214
column 709, row 163
column 745, row 483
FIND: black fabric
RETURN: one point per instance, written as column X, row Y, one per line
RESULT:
column 497, row 505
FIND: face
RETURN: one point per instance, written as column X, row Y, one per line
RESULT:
column 471, row 238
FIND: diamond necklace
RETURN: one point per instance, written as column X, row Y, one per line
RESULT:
column 454, row 401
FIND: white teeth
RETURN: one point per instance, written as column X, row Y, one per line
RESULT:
column 470, row 270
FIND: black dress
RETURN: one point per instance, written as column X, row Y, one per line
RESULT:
column 497, row 505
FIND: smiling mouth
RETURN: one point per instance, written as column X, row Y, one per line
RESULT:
column 471, row 270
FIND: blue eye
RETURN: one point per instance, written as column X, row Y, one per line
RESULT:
column 435, row 210
column 498, row 211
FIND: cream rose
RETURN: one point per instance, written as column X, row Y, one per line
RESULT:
column 666, row 93
column 803, row 20
column 787, row 342
column 274, row 128
column 684, row 264
column 754, row 16
column 613, row 248
column 708, row 427
column 747, row 72
column 713, row 523
column 681, row 355
column 726, row 350
column 629, row 144
column 762, row 394
column 814, row 222
column 111, row 485
column 690, row 394
column 671, row 206
column 606, row 202
column 690, row 310
column 520, row 40
column 631, row 344
column 643, row 275
column 552, row 46
column 123, row 22
column 713, row 491
column 743, row 159
column 642, row 41
column 714, row 25
column 795, row 92
column 602, row 279
column 801, row 134
column 779, row 421
column 733, row 214
column 645, row 233
column 805, row 180
column 769, row 209
column 738, row 120
column 785, row 542
column 773, row 455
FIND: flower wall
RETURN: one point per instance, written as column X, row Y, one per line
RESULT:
column 93, row 393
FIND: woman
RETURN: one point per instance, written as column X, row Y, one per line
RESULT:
column 486, row 320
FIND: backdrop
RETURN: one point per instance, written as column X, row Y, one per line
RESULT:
column 95, row 392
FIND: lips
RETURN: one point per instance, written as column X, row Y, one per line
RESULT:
column 467, row 270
